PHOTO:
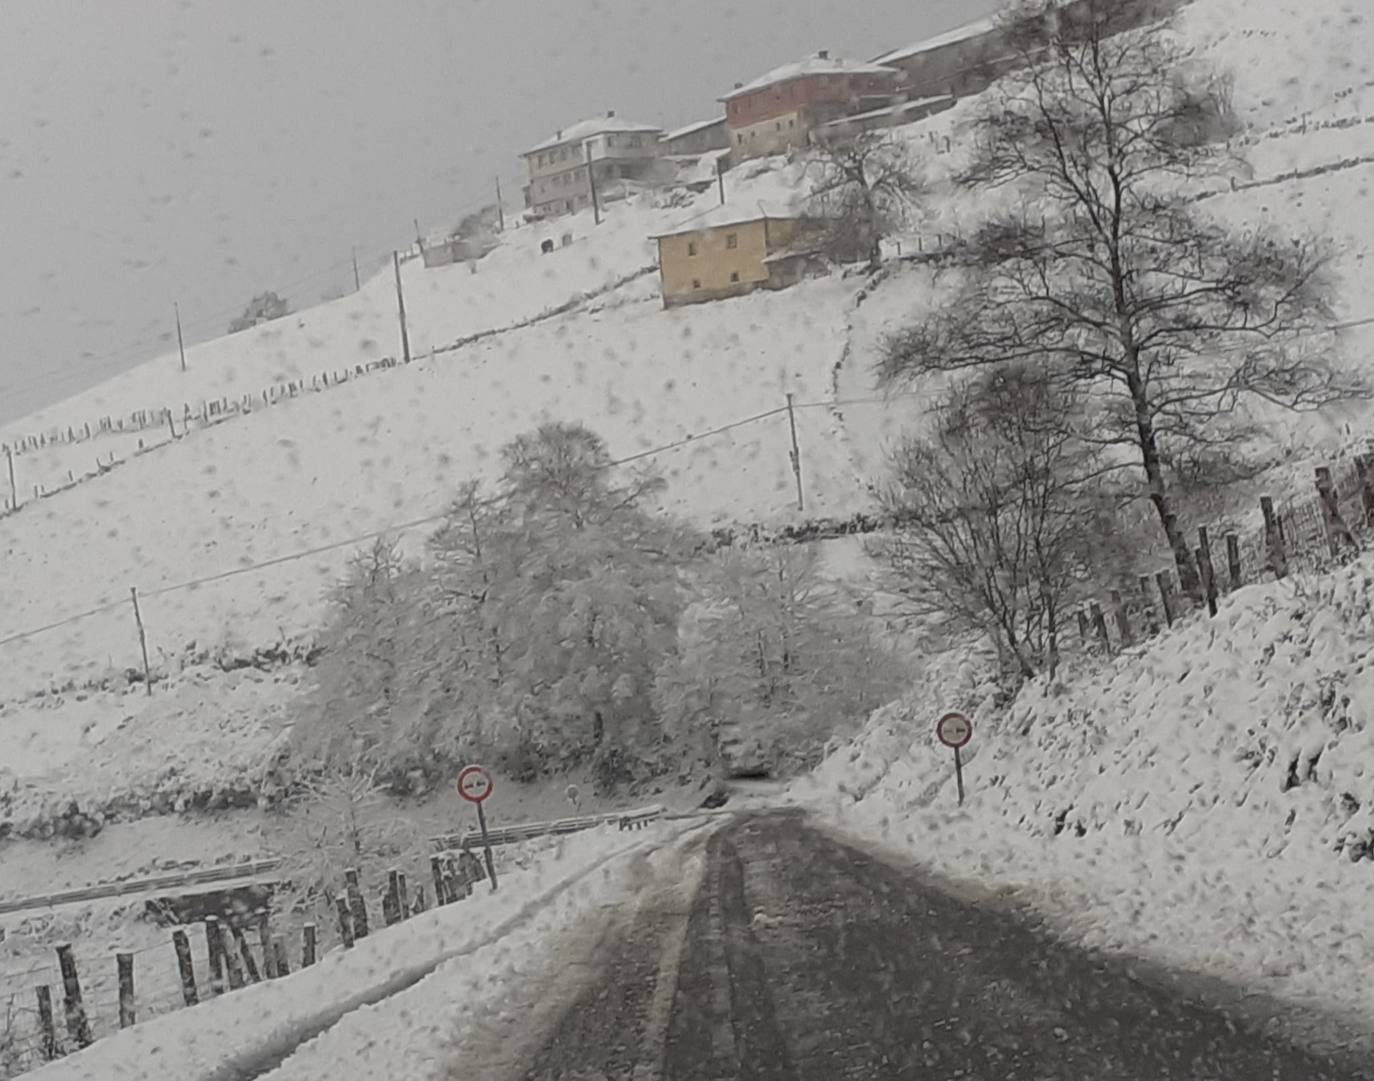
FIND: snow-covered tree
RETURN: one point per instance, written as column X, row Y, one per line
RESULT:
column 365, row 649
column 532, row 632
column 263, row 308
column 773, row 653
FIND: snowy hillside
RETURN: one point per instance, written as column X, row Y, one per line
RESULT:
column 199, row 525
column 1206, row 799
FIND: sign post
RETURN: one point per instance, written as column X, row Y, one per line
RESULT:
column 955, row 730
column 475, row 785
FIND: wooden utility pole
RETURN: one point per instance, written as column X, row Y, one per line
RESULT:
column 500, row 210
column 401, row 306
column 795, row 453
column 142, row 639
column 181, row 344
column 720, row 178
column 591, row 182
column 357, row 281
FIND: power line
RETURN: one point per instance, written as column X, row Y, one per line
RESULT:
column 431, row 519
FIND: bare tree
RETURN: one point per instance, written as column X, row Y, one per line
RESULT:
column 864, row 188
column 1107, row 268
column 341, row 818
column 1000, row 513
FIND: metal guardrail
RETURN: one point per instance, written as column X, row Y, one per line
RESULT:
column 505, row 835
column 143, row 885
column 527, row 831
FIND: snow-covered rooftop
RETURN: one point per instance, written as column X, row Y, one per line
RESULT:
column 812, row 65
column 691, row 129
column 968, row 30
column 732, row 214
column 587, row 129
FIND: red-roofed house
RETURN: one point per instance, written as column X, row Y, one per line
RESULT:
column 778, row 110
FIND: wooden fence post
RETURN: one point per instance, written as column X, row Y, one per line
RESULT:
column 269, row 957
column 214, row 947
column 232, row 966
column 1123, row 621
column 436, row 871
column 185, row 966
column 1273, row 538
column 125, row 968
column 78, row 1025
column 47, row 1030
column 1166, row 598
column 250, row 966
column 1151, row 620
column 1337, row 532
column 1234, row 570
column 391, row 901
column 1364, row 469
column 1100, row 625
column 1206, row 570
column 308, row 945
column 345, row 921
column 281, row 966
column 356, row 902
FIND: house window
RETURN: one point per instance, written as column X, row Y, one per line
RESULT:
column 734, row 275
column 691, row 247
column 696, row 283
column 732, row 240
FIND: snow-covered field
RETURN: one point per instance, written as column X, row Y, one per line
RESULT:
column 1206, row 799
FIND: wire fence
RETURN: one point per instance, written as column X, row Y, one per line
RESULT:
column 1296, row 535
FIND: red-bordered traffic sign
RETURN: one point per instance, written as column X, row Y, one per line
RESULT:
column 474, row 784
column 954, row 730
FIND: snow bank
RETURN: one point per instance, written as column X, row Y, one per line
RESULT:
column 1205, row 799
column 221, row 1037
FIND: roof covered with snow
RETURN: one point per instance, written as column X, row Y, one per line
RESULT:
column 692, row 129
column 739, row 214
column 968, row 30
column 587, row 129
column 812, row 65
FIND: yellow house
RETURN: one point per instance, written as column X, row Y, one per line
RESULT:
column 731, row 251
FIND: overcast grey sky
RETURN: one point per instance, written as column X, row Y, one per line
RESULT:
column 202, row 151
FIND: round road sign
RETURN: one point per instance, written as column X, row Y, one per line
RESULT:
column 954, row 730
column 474, row 784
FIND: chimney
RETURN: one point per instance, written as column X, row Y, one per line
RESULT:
column 558, row 134
column 824, row 54
column 739, row 86
column 610, row 113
